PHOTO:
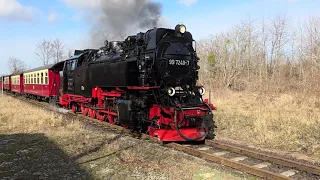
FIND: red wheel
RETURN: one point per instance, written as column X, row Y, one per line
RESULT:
column 92, row 113
column 84, row 111
column 124, row 126
column 74, row 108
column 112, row 120
column 101, row 116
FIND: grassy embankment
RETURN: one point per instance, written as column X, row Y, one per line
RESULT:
column 287, row 122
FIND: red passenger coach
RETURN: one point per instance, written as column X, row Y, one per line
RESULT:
column 42, row 82
column 7, row 83
column 17, row 83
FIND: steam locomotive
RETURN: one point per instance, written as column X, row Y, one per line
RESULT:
column 147, row 83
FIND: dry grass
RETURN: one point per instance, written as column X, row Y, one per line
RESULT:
column 102, row 155
column 288, row 122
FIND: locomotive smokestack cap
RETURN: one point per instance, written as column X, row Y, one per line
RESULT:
column 180, row 28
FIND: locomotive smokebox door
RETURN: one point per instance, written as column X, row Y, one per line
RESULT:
column 124, row 108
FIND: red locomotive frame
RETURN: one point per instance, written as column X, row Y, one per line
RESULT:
column 82, row 104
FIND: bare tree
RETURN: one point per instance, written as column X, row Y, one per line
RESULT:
column 70, row 53
column 313, row 43
column 57, row 48
column 16, row 65
column 279, row 40
column 44, row 51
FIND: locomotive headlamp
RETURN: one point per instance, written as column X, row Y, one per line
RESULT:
column 171, row 91
column 180, row 28
column 202, row 91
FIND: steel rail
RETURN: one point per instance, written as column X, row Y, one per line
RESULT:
column 227, row 162
column 262, row 156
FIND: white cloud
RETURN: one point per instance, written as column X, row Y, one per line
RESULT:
column 52, row 18
column 187, row 2
column 12, row 10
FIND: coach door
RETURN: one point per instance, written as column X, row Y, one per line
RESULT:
column 68, row 75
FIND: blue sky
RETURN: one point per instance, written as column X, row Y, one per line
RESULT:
column 25, row 22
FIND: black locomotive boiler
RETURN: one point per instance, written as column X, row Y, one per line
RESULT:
column 147, row 83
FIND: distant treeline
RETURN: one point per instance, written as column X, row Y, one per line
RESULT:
column 276, row 54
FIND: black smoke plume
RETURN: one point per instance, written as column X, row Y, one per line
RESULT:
column 117, row 19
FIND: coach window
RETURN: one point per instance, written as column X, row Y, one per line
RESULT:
column 41, row 78
column 34, row 78
column 46, row 78
column 73, row 65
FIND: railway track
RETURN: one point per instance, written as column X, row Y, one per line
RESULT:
column 245, row 160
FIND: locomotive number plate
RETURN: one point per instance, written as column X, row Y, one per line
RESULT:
column 179, row 62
